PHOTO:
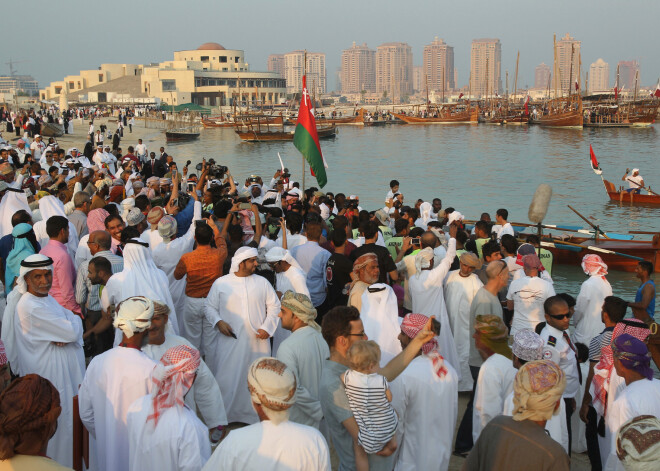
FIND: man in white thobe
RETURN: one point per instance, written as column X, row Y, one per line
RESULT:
column 496, row 374
column 165, row 434
column 425, row 397
column 460, row 288
column 587, row 317
column 380, row 317
column 114, row 380
column 12, row 201
column 289, row 276
column 526, row 296
column 242, row 308
column 641, row 396
column 305, row 352
column 426, row 290
column 140, row 277
column 275, row 443
column 167, row 255
column 43, row 338
column 204, row 393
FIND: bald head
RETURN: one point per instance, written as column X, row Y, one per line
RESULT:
column 429, row 239
column 101, row 238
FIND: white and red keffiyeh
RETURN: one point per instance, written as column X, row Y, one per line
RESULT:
column 593, row 265
column 3, row 354
column 412, row 325
column 172, row 378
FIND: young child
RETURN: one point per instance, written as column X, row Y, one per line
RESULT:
column 370, row 399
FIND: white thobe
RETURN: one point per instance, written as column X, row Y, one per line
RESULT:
column 305, row 352
column 494, row 384
column 265, row 446
column 247, row 304
column 380, row 317
column 114, row 380
column 294, row 279
column 292, row 240
column 528, row 294
column 166, row 257
column 152, row 237
column 555, row 426
column 204, row 393
column 179, row 442
column 640, row 397
column 428, row 299
column 427, row 406
column 587, row 317
column 39, row 323
column 459, row 292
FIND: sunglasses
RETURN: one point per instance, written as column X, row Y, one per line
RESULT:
column 561, row 316
column 361, row 334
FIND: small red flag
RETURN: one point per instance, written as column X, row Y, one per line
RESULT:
column 616, row 93
column 594, row 162
column 461, row 96
column 657, row 90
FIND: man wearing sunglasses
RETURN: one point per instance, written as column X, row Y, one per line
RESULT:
column 555, row 334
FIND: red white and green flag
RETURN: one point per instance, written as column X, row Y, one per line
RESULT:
column 306, row 138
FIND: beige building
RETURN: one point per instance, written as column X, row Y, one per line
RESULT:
column 209, row 75
column 316, row 73
column 627, row 72
column 439, row 65
column 565, row 75
column 276, row 64
column 599, row 77
column 486, row 67
column 419, row 84
column 394, row 70
column 358, row 69
column 542, row 76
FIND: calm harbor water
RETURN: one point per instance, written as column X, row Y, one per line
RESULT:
column 473, row 168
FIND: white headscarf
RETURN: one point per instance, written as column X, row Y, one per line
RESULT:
column 11, row 202
column 33, row 262
column 126, row 206
column 277, row 254
column 380, row 317
column 273, row 385
column 423, row 260
column 50, row 206
column 131, row 311
column 455, row 216
column 242, row 254
column 426, row 215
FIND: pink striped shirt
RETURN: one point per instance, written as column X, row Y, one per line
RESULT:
column 64, row 275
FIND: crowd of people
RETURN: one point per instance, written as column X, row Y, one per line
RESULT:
column 205, row 322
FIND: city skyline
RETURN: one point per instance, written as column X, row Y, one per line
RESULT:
column 297, row 25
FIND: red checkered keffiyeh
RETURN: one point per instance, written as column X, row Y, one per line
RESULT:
column 172, row 378
column 600, row 383
column 412, row 325
column 593, row 265
column 3, row 354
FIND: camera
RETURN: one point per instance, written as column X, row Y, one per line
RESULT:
column 215, row 171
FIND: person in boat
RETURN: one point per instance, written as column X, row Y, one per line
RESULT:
column 635, row 181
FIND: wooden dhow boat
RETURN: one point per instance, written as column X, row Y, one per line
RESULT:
column 623, row 196
column 356, row 120
column 182, row 134
column 444, row 114
column 250, row 134
column 563, row 112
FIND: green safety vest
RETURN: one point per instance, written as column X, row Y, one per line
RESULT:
column 392, row 244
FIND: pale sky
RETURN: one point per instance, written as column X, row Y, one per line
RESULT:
column 58, row 38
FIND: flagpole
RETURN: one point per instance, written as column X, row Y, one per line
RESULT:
column 303, row 97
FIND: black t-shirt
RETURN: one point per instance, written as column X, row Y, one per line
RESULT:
column 337, row 275
column 385, row 262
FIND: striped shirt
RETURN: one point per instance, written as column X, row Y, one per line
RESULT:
column 599, row 342
column 88, row 294
column 374, row 414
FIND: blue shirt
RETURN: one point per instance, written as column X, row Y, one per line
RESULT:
column 184, row 218
column 313, row 259
column 650, row 309
column 5, row 247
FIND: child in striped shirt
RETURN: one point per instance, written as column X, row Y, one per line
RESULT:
column 370, row 399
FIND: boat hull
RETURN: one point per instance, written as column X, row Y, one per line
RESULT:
column 569, row 119
column 467, row 117
column 571, row 255
column 324, row 132
column 626, row 197
column 181, row 136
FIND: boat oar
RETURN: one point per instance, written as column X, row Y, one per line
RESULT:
column 642, row 187
column 588, row 222
column 588, row 247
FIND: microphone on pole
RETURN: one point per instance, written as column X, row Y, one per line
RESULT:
column 539, row 205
